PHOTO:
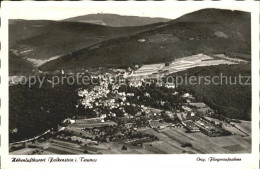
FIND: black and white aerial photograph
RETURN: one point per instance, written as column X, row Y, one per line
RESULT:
column 129, row 80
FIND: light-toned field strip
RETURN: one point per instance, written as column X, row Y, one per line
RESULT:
column 58, row 150
column 204, row 143
column 244, row 126
column 67, row 149
column 39, row 62
column 200, row 142
column 180, row 65
column 67, row 143
column 23, row 151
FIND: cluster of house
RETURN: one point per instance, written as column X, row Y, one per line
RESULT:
column 139, row 81
column 162, row 125
column 98, row 97
column 89, row 97
column 208, row 129
column 201, row 108
column 77, row 139
column 189, row 98
column 159, row 123
column 135, row 83
column 193, row 124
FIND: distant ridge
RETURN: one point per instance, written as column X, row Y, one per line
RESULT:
column 115, row 20
column 203, row 31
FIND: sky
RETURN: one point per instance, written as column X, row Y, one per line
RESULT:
column 62, row 10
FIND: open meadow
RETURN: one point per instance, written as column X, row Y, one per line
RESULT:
column 180, row 64
column 172, row 139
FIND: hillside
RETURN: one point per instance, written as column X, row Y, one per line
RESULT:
column 25, row 29
column 35, row 110
column 116, row 20
column 221, row 31
column 232, row 100
column 18, row 65
column 54, row 39
column 237, row 21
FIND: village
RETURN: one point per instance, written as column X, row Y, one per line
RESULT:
column 130, row 118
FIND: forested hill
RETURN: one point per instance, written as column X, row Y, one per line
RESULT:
column 203, row 31
column 232, row 99
column 41, row 40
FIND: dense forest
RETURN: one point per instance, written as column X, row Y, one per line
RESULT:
column 162, row 45
column 35, row 110
column 203, row 31
column 17, row 65
column 229, row 100
column 53, row 38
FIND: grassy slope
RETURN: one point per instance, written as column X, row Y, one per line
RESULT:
column 187, row 35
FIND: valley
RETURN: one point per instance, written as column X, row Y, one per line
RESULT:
column 111, row 84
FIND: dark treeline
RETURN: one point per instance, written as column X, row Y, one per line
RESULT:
column 35, row 110
column 229, row 100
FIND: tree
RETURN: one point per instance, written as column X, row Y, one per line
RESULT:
column 124, row 148
column 55, row 128
column 186, row 145
column 220, row 125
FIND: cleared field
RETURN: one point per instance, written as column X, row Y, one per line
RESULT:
column 193, row 61
column 171, row 141
column 165, row 145
column 151, row 67
column 39, row 62
column 79, row 149
column 154, row 148
column 234, row 147
column 58, row 151
column 47, row 153
column 24, row 151
column 173, row 138
column 68, row 144
column 116, row 148
column 91, row 125
column 71, row 150
column 148, row 69
column 233, row 130
column 180, row 65
column 88, row 121
column 243, row 128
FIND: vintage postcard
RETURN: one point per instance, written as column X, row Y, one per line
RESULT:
column 164, row 84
